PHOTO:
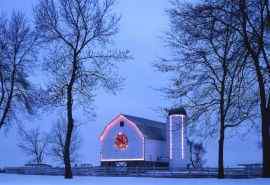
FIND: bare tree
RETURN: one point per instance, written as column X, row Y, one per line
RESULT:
column 57, row 141
column 34, row 144
column 251, row 20
column 254, row 16
column 78, row 34
column 197, row 152
column 17, row 46
column 210, row 73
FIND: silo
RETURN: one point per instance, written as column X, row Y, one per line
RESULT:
column 177, row 138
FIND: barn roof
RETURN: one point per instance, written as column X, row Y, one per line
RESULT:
column 150, row 128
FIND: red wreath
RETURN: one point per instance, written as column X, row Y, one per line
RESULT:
column 121, row 141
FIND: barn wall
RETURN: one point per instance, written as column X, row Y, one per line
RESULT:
column 155, row 150
column 135, row 149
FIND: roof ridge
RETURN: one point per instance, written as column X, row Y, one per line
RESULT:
column 143, row 118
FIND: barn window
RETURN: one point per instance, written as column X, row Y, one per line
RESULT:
column 122, row 124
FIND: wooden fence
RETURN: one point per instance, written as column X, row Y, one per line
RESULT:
column 138, row 172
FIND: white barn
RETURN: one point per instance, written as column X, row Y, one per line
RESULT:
column 135, row 141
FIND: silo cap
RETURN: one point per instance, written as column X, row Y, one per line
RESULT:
column 179, row 111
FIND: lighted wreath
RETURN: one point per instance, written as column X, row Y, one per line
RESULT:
column 121, row 141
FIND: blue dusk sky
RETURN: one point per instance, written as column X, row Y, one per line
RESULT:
column 143, row 23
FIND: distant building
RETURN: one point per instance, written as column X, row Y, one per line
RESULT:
column 134, row 141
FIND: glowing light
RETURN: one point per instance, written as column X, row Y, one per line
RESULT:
column 182, row 135
column 183, row 153
column 170, row 132
column 121, row 141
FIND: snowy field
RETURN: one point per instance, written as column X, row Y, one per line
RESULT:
column 6, row 179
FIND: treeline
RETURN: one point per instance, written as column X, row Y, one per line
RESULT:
column 220, row 67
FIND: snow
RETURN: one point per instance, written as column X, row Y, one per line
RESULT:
column 6, row 179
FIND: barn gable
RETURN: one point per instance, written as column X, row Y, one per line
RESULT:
column 117, row 120
column 148, row 129
column 129, row 133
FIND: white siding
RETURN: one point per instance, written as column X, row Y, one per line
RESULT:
column 134, row 151
column 155, row 150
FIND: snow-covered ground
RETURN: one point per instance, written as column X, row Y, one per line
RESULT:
column 6, row 179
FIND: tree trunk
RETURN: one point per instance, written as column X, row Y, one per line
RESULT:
column 70, row 121
column 221, row 152
column 3, row 91
column 266, row 143
column 221, row 136
column 222, row 123
column 68, row 170
column 10, row 96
